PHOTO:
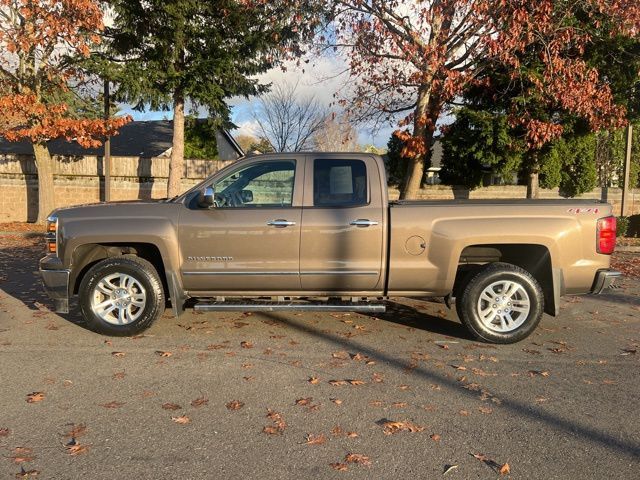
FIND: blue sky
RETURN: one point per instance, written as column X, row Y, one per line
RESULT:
column 319, row 78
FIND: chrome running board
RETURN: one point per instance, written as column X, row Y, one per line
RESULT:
column 290, row 306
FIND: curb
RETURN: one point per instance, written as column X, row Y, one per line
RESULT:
column 628, row 249
column 22, row 234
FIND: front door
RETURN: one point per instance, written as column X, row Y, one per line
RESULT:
column 249, row 241
column 342, row 226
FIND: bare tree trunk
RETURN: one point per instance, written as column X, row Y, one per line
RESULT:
column 176, row 164
column 533, row 180
column 423, row 127
column 44, row 164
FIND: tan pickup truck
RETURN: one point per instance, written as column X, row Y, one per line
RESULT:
column 316, row 231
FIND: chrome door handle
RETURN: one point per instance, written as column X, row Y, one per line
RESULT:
column 280, row 223
column 363, row 222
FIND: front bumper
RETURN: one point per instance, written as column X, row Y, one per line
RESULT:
column 604, row 280
column 56, row 284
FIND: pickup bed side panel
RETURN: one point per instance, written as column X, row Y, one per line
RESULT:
column 427, row 242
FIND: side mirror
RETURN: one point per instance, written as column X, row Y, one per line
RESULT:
column 206, row 198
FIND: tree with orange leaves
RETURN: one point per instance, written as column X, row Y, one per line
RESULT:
column 40, row 95
column 410, row 60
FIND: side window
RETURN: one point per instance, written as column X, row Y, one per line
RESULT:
column 265, row 184
column 339, row 183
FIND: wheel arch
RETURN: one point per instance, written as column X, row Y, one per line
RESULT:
column 534, row 258
column 86, row 255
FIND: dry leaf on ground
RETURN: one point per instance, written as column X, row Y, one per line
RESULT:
column 199, row 402
column 163, row 354
column 35, row 397
column 171, row 406
column 341, row 467
column 182, row 419
column 304, row 401
column 234, row 405
column 313, row 380
column 113, row 404
column 246, row 344
column 357, row 458
column 315, row 439
column 27, row 473
column 390, row 428
column 4, row 432
column 118, row 354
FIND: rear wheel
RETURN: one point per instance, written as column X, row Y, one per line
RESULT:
column 121, row 296
column 502, row 303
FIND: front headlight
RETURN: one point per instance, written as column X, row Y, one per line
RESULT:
column 52, row 234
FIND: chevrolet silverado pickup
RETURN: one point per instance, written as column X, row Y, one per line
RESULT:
column 316, row 231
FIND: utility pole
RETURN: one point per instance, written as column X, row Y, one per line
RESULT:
column 626, row 173
column 107, row 145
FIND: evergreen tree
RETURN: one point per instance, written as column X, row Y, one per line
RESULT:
column 175, row 52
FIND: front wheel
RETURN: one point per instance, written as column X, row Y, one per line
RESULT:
column 502, row 303
column 121, row 296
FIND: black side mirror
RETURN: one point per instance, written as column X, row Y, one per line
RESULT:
column 206, row 198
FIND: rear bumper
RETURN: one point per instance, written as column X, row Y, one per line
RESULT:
column 56, row 284
column 604, row 280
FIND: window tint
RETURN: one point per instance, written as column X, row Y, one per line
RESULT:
column 339, row 183
column 265, row 184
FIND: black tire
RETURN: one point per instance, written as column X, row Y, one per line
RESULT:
column 529, row 290
column 144, row 274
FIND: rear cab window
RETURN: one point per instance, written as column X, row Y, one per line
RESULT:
column 339, row 183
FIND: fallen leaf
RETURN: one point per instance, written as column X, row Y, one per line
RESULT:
column 22, row 455
column 399, row 404
column 532, row 352
column 246, row 344
column 315, row 439
column 341, row 467
column 35, row 397
column 337, row 383
column 533, row 373
column 391, row 428
column 113, row 404
column 26, row 473
column 356, row 382
column 340, row 355
column 435, row 437
column 313, row 380
column 505, row 469
column 182, row 419
column 278, row 426
column 234, row 405
column 357, row 458
column 304, row 401
column 118, row 375
column 163, row 354
column 464, row 413
column 199, row 402
column 485, row 410
column 4, row 432
column 171, row 406
column 118, row 354
column 337, row 401
column 76, row 449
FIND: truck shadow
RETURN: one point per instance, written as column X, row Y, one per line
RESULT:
column 411, row 317
column 525, row 410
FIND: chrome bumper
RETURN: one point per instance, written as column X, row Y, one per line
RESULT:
column 604, row 280
column 56, row 283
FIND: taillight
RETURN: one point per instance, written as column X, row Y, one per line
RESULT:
column 52, row 234
column 606, row 235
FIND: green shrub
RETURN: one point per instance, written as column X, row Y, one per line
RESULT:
column 623, row 226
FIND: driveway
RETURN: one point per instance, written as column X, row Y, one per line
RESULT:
column 402, row 395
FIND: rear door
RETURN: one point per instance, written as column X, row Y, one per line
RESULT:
column 250, row 241
column 342, row 239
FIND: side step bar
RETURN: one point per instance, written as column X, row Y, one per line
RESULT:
column 291, row 306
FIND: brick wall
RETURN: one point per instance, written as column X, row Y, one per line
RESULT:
column 80, row 180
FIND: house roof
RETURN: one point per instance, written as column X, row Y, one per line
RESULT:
column 135, row 139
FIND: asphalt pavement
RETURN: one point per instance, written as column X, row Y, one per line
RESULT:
column 402, row 395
